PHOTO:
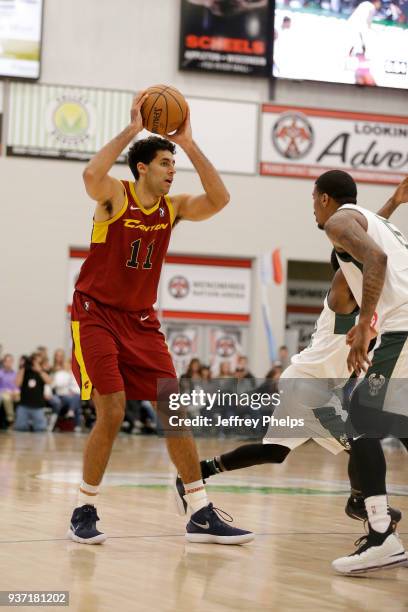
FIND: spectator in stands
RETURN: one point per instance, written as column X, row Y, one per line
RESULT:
column 9, row 392
column 245, row 384
column 66, row 390
column 283, row 357
column 241, row 370
column 206, row 376
column 192, row 374
column 31, row 378
column 271, row 382
column 225, row 383
column 45, row 360
column 139, row 417
column 225, row 370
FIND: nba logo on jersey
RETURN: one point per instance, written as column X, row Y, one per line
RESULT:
column 161, row 211
column 86, row 306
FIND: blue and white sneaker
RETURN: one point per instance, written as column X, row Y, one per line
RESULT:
column 179, row 495
column 83, row 526
column 206, row 526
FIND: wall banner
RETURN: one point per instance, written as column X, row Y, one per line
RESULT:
column 227, row 37
column 206, row 288
column 59, row 122
column 305, row 142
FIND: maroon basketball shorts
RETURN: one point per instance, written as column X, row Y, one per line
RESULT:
column 114, row 350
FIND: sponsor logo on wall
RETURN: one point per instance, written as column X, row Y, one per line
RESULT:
column 59, row 122
column 304, row 142
column 206, row 289
column 228, row 37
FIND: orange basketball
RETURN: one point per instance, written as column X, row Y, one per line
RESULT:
column 164, row 110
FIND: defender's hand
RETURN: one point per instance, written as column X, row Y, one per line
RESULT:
column 358, row 359
column 352, row 332
column 401, row 193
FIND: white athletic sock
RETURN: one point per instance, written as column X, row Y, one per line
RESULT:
column 377, row 512
column 196, row 495
column 87, row 494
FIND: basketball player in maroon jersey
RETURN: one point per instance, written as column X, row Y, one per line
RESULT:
column 118, row 350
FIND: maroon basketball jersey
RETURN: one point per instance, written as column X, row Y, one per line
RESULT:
column 126, row 255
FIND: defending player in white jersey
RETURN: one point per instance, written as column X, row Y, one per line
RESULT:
column 373, row 255
column 323, row 361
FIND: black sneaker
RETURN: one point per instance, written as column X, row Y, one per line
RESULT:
column 206, row 526
column 355, row 509
column 179, row 493
column 83, row 526
column 376, row 551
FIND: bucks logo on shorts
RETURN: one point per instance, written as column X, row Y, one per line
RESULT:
column 375, row 383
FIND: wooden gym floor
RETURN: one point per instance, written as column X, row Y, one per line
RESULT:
column 296, row 510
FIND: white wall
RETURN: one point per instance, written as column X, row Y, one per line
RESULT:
column 129, row 44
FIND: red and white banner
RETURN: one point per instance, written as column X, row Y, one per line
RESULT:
column 225, row 346
column 183, row 346
column 206, row 288
column 305, row 142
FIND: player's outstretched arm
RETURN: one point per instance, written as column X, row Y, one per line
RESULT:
column 347, row 234
column 215, row 196
column 105, row 189
column 399, row 196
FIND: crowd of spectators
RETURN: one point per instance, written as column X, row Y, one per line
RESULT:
column 41, row 395
column 229, row 381
column 38, row 394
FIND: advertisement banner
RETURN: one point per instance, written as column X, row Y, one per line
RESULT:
column 305, row 142
column 229, row 36
column 59, row 122
column 225, row 347
column 206, row 288
column 183, row 346
column 20, row 38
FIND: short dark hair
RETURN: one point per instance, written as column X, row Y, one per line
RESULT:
column 334, row 261
column 145, row 151
column 338, row 185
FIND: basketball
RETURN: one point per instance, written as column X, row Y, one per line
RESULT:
column 164, row 110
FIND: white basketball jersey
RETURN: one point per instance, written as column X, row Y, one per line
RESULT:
column 392, row 308
column 326, row 355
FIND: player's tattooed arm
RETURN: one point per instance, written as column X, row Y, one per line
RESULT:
column 107, row 190
column 399, row 196
column 215, row 196
column 347, row 233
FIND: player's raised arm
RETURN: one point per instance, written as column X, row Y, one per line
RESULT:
column 215, row 196
column 399, row 196
column 347, row 234
column 106, row 190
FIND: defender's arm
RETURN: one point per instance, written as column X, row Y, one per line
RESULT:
column 347, row 234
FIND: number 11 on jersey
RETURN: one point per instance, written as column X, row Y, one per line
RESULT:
column 133, row 261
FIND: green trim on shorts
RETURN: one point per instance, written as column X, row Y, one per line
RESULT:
column 344, row 322
column 386, row 355
column 373, row 389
